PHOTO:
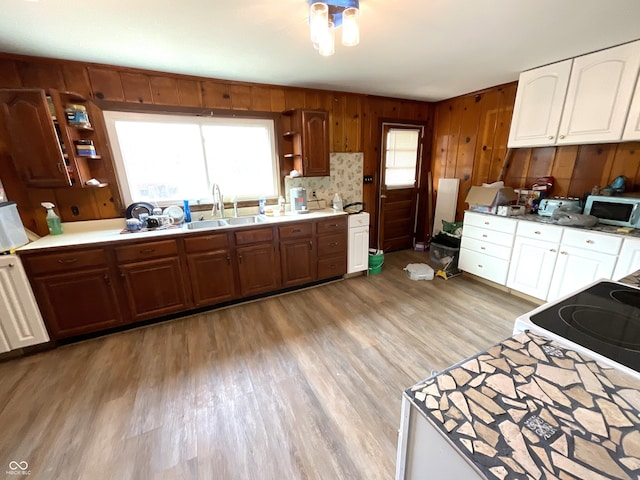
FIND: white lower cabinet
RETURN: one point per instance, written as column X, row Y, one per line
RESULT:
column 486, row 246
column 21, row 324
column 532, row 265
column 629, row 258
column 576, row 268
column 358, row 250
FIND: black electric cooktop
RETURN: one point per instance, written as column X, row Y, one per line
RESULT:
column 604, row 318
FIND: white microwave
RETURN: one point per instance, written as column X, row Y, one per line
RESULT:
column 621, row 211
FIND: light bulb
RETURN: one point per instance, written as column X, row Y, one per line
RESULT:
column 350, row 27
column 328, row 41
column 318, row 22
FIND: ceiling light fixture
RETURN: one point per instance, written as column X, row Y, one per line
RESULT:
column 325, row 17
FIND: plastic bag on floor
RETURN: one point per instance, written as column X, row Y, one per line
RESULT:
column 419, row 271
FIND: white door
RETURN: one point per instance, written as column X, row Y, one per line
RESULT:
column 599, row 94
column 629, row 258
column 576, row 268
column 532, row 265
column 632, row 127
column 538, row 108
column 20, row 319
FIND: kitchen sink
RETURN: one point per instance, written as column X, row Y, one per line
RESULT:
column 244, row 220
column 212, row 223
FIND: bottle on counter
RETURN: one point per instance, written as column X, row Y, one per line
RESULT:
column 53, row 221
column 187, row 212
column 262, row 205
column 281, row 203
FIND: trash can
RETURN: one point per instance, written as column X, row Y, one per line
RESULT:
column 376, row 259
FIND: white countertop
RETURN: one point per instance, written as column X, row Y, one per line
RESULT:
column 102, row 231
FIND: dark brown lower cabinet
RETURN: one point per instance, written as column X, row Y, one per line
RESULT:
column 212, row 278
column 258, row 269
column 153, row 287
column 77, row 302
column 298, row 259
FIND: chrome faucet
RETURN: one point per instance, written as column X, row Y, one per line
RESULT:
column 218, row 202
column 235, row 206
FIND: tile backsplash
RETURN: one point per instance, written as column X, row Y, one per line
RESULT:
column 347, row 170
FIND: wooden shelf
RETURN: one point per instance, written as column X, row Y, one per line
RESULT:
column 82, row 128
column 91, row 157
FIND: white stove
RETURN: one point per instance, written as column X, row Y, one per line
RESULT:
column 601, row 321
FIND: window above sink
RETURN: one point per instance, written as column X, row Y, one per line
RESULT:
column 165, row 159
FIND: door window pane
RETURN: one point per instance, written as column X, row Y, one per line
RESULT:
column 401, row 156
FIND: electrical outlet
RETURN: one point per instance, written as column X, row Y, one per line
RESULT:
column 368, row 179
column 313, row 194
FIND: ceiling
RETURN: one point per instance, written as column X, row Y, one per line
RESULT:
column 415, row 49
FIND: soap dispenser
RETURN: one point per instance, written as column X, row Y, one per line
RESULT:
column 53, row 221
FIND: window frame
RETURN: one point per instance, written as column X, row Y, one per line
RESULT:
column 189, row 112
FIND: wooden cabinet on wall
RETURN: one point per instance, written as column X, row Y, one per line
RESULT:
column 75, row 291
column 306, row 134
column 297, row 253
column 42, row 140
column 209, row 259
column 594, row 108
column 632, row 127
column 152, row 279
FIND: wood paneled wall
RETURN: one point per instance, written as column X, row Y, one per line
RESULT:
column 355, row 121
column 470, row 143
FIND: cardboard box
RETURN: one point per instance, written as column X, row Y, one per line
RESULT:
column 488, row 199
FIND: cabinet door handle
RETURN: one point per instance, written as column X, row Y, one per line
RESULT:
column 538, row 232
column 68, row 260
column 561, row 136
column 486, row 223
column 333, row 244
column 550, row 137
column 564, row 253
column 553, row 250
column 107, row 279
column 484, row 235
column 61, row 167
column 228, row 259
column 147, row 250
column 590, row 242
column 310, row 245
column 480, row 266
column 239, row 258
column 297, row 230
column 483, row 248
column 122, row 275
column 11, row 265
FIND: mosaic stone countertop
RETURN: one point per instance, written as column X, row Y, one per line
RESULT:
column 529, row 408
column 633, row 279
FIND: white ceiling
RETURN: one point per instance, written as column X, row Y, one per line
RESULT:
column 417, row 49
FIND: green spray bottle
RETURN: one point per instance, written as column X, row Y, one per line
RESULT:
column 53, row 221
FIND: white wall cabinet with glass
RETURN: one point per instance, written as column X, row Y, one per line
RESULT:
column 594, row 109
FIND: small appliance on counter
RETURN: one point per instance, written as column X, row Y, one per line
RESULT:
column 298, row 199
column 12, row 233
column 548, row 205
column 623, row 211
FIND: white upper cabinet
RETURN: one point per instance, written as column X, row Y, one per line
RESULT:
column 632, row 128
column 538, row 107
column 599, row 95
column 592, row 107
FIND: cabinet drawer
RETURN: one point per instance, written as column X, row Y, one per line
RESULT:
column 332, row 224
column 256, row 235
column 142, row 251
column 492, row 249
column 296, row 230
column 595, row 242
column 332, row 266
column 491, row 222
column 58, row 262
column 206, row 243
column 546, row 233
column 491, row 236
column 332, row 244
column 485, row 266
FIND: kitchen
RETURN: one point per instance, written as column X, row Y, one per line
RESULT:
column 352, row 114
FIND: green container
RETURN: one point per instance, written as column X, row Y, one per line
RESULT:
column 375, row 262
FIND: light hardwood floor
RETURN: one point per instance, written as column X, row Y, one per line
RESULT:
column 305, row 385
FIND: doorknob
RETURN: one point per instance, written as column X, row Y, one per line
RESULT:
column 383, row 196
